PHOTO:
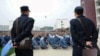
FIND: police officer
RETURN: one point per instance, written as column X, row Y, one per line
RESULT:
column 25, row 25
column 80, row 40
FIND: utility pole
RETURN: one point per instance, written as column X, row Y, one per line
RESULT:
column 45, row 27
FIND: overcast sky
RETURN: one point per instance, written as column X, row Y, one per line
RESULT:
column 53, row 9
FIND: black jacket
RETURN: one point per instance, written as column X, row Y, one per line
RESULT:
column 77, row 32
column 25, row 25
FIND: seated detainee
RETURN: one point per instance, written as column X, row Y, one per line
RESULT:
column 57, row 39
column 43, row 42
column 0, row 41
column 51, row 39
column 35, row 43
column 3, row 41
column 54, row 41
column 67, row 39
column 7, row 38
column 63, row 43
column 38, row 39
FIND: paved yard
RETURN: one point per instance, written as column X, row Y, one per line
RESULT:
column 56, row 52
column 53, row 52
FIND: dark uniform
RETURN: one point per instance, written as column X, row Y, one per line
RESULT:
column 25, row 25
column 78, row 36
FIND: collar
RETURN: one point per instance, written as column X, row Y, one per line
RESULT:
column 80, row 16
column 23, row 15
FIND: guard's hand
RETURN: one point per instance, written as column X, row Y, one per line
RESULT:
column 89, row 43
column 87, row 48
column 14, row 45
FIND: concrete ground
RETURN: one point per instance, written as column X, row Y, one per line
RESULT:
column 56, row 52
column 53, row 52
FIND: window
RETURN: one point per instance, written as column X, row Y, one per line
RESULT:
column 62, row 24
column 83, row 2
column 61, row 21
column 98, row 11
column 98, row 3
column 98, row 20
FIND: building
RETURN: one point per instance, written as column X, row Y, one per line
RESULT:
column 97, row 6
column 62, row 23
column 46, row 28
column 10, row 24
column 89, row 7
column 36, row 28
column 4, row 28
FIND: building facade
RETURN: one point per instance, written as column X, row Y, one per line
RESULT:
column 10, row 24
column 36, row 28
column 97, row 6
column 62, row 23
column 89, row 7
column 4, row 28
column 47, row 28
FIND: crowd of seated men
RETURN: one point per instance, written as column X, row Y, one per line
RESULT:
column 43, row 40
column 4, row 38
column 55, row 40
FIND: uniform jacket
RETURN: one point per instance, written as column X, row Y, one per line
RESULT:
column 25, row 25
column 77, row 32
